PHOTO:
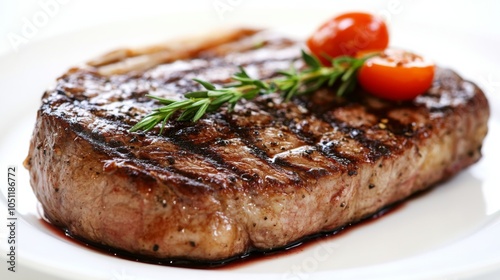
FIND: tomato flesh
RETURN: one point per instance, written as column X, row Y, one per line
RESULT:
column 347, row 34
column 396, row 75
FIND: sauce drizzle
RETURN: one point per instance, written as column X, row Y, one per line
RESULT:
column 230, row 263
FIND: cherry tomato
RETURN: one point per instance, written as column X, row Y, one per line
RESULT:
column 347, row 34
column 396, row 75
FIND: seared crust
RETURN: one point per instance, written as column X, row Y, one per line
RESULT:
column 263, row 176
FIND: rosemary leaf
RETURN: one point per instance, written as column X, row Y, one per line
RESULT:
column 311, row 60
column 290, row 83
column 201, row 111
column 205, row 84
column 196, row 94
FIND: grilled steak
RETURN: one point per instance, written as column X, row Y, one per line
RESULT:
column 258, row 178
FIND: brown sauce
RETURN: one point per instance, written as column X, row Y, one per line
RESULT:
column 231, row 263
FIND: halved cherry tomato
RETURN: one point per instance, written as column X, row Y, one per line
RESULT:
column 347, row 34
column 396, row 75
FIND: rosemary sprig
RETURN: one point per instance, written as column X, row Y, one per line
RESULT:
column 290, row 83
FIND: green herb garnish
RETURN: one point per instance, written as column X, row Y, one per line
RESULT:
column 290, row 83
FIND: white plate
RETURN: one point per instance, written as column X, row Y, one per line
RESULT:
column 451, row 231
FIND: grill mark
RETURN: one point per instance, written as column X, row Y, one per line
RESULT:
column 185, row 145
column 329, row 150
column 308, row 138
column 243, row 134
column 279, row 116
column 97, row 141
column 198, row 178
column 392, row 126
column 377, row 149
column 400, row 129
column 218, row 162
column 313, row 139
column 213, row 157
column 395, row 126
column 209, row 155
column 279, row 163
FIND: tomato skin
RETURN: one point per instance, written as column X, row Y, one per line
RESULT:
column 347, row 34
column 396, row 75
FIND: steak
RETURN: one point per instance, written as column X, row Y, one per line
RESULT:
column 258, row 178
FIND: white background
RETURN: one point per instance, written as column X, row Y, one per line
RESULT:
column 480, row 17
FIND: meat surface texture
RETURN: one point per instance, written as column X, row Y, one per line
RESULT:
column 261, row 177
